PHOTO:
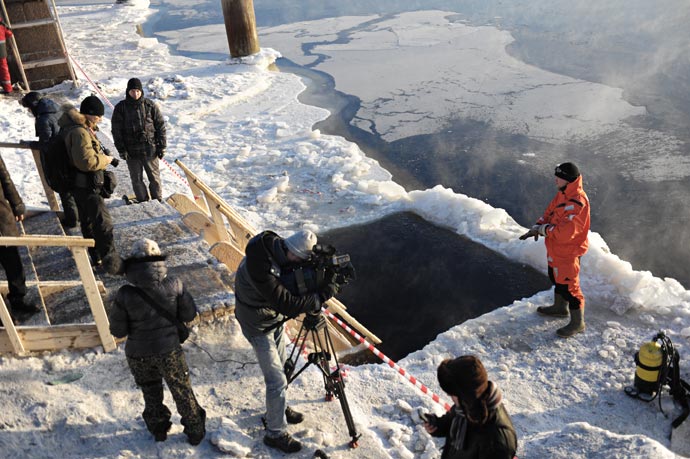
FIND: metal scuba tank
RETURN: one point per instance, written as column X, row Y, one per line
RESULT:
column 648, row 360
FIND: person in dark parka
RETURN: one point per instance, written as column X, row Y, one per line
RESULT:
column 153, row 347
column 47, row 114
column 139, row 135
column 11, row 211
column 478, row 426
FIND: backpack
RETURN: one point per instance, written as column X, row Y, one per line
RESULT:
column 57, row 168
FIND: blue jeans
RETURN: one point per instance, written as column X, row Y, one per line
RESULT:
column 270, row 351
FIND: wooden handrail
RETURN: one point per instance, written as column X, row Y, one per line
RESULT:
column 47, row 241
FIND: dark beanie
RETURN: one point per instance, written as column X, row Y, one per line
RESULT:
column 567, row 171
column 134, row 83
column 92, row 105
column 464, row 377
column 31, row 99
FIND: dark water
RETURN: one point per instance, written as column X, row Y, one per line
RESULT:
column 416, row 280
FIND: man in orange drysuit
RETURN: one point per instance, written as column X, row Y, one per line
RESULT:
column 565, row 226
column 5, row 32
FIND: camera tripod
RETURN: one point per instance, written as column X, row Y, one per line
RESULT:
column 314, row 327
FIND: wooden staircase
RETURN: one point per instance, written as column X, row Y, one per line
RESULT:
column 38, row 48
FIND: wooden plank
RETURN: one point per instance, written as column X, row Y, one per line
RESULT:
column 15, row 145
column 92, row 295
column 10, row 329
column 47, row 241
column 50, row 194
column 35, row 23
column 45, row 62
column 228, row 253
column 202, row 225
column 219, row 222
column 184, row 204
column 56, row 337
column 50, row 287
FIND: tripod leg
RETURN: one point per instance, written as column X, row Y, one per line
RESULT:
column 339, row 389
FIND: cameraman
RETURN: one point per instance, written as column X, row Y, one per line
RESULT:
column 262, row 305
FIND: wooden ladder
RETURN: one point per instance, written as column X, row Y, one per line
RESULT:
column 53, row 19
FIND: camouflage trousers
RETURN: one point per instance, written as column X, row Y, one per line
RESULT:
column 149, row 373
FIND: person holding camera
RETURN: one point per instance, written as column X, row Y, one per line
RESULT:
column 262, row 305
column 149, row 311
column 139, row 134
column 87, row 156
column 478, row 425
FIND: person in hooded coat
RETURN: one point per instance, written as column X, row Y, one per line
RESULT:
column 153, row 347
column 565, row 229
column 89, row 159
column 47, row 114
column 478, row 425
column 139, row 135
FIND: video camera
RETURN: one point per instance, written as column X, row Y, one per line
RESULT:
column 338, row 267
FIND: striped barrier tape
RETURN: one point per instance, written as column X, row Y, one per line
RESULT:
column 415, row 382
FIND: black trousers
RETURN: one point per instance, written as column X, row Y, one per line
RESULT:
column 95, row 221
column 16, row 280
column 69, row 206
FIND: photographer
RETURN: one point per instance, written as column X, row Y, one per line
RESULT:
column 263, row 303
column 139, row 134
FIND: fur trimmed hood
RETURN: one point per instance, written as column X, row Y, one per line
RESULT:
column 72, row 117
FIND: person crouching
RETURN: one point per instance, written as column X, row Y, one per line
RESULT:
column 478, row 426
column 153, row 347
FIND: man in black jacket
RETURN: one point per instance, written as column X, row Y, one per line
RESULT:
column 138, row 130
column 12, row 211
column 153, row 346
column 47, row 114
column 262, row 305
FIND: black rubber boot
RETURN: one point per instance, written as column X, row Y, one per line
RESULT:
column 559, row 308
column 576, row 325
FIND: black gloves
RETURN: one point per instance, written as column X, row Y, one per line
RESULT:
column 329, row 291
column 160, row 152
column 114, row 162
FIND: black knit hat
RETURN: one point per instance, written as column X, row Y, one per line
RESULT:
column 464, row 377
column 31, row 99
column 92, row 105
column 567, row 171
column 134, row 83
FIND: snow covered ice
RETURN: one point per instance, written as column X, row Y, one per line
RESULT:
column 242, row 129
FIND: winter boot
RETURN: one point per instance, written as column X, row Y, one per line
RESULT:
column 21, row 309
column 576, row 325
column 292, row 416
column 559, row 308
column 283, row 442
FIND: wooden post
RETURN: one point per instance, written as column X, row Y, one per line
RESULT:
column 240, row 27
column 15, row 339
column 50, row 194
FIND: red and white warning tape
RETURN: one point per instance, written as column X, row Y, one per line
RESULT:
column 390, row 362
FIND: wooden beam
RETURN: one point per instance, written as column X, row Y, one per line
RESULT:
column 45, row 62
column 49, row 287
column 47, row 241
column 227, row 253
column 11, row 331
column 54, row 338
column 184, row 204
column 35, row 23
column 15, row 145
column 336, row 307
column 202, row 225
column 95, row 300
column 50, row 194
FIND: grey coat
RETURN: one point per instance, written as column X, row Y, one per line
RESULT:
column 147, row 332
